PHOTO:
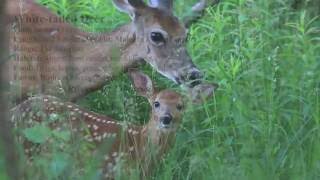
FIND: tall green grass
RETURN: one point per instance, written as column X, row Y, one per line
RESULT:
column 262, row 123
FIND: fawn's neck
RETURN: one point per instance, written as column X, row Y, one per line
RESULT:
column 157, row 138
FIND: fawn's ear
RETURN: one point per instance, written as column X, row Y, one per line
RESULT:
column 142, row 84
column 131, row 7
column 202, row 92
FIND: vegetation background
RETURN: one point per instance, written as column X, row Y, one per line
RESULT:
column 262, row 123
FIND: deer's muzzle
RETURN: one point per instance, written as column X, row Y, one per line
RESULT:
column 192, row 78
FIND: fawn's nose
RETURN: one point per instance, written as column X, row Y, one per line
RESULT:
column 166, row 119
column 195, row 77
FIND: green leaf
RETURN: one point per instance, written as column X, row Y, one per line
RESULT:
column 37, row 134
column 64, row 135
column 53, row 117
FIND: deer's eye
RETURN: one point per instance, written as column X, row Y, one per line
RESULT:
column 179, row 107
column 156, row 104
column 157, row 38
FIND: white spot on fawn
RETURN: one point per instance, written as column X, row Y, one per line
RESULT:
column 114, row 154
column 98, row 138
column 104, row 135
column 95, row 127
column 131, row 148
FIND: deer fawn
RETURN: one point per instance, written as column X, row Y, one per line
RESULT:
column 140, row 144
column 50, row 56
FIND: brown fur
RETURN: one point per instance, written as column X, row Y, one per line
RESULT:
column 102, row 55
column 138, row 145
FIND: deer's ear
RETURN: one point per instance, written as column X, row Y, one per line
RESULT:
column 131, row 7
column 162, row 4
column 202, row 92
column 142, row 83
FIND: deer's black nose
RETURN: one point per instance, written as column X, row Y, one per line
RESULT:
column 195, row 78
column 194, row 75
column 166, row 119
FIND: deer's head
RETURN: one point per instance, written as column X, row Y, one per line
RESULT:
column 162, row 38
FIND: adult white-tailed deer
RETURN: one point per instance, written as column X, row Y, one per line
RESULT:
column 50, row 56
column 142, row 145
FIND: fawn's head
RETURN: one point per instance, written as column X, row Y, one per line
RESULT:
column 167, row 105
column 162, row 38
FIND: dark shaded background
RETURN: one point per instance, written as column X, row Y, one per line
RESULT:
column 6, row 141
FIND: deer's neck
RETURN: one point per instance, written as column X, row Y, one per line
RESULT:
column 107, row 55
column 120, row 43
column 62, row 60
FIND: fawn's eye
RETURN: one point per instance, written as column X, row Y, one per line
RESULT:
column 157, row 38
column 156, row 104
column 179, row 107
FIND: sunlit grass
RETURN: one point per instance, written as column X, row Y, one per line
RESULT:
column 263, row 122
